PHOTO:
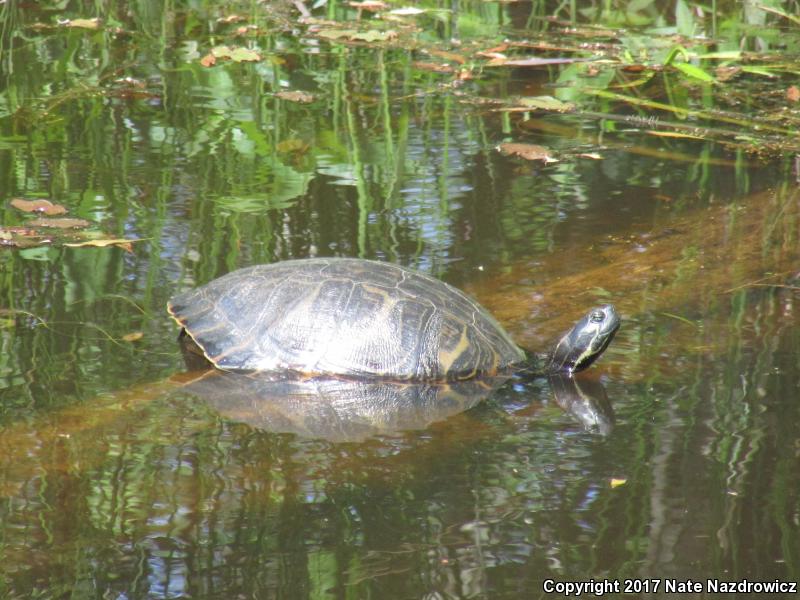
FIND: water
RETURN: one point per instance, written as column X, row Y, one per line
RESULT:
column 676, row 458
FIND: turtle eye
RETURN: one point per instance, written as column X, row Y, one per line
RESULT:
column 597, row 316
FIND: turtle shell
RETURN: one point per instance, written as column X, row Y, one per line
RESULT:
column 343, row 316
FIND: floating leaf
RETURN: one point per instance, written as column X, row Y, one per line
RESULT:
column 615, row 482
column 434, row 67
column 231, row 19
column 245, row 55
column 295, row 96
column 38, row 206
column 527, row 151
column 408, row 11
column 292, row 145
column 121, row 242
column 221, row 51
column 547, row 103
column 727, row 73
column 236, row 54
column 534, row 61
column 373, row 35
column 335, row 34
column 370, row 5
column 65, row 223
column 447, row 55
column 132, row 337
column 83, row 23
column 674, row 134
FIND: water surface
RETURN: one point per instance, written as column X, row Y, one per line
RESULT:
column 117, row 480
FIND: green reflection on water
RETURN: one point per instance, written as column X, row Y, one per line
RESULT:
column 114, row 481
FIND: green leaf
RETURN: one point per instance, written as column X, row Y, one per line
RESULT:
column 759, row 71
column 684, row 19
column 245, row 55
column 545, row 103
column 693, row 71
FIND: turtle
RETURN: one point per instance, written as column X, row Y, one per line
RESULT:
column 360, row 318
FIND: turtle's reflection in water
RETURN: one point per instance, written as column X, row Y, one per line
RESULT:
column 340, row 409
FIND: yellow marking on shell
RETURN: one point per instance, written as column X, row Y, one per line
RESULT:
column 448, row 357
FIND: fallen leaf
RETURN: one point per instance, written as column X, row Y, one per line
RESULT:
column 38, row 206
column 494, row 50
column 65, row 223
column 449, row 56
column 292, row 145
column 534, row 61
column 295, row 96
column 121, row 242
column 727, row 73
column 83, row 23
column 793, row 93
column 592, row 155
column 527, row 151
column 408, row 11
column 498, row 58
column 221, row 51
column 617, row 482
column 674, row 134
column 374, row 35
column 634, row 68
column 431, row 66
column 245, row 55
column 547, row 103
column 370, row 5
column 236, row 54
column 335, row 34
column 231, row 19
column 132, row 337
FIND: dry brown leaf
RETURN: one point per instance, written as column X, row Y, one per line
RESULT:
column 497, row 57
column 451, row 56
column 431, row 66
column 65, row 223
column 533, row 61
column 727, row 73
column 209, row 60
column 40, row 205
column 527, row 151
column 231, row 19
column 494, row 50
column 793, row 93
column 295, row 96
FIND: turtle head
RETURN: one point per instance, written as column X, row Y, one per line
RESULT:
column 585, row 342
